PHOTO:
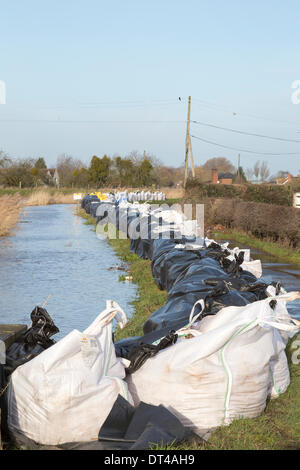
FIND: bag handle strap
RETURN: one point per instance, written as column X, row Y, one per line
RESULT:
column 113, row 310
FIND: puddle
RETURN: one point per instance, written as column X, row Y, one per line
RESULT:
column 277, row 270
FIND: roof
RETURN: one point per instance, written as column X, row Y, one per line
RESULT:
column 225, row 176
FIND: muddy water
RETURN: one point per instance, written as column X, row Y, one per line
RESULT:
column 277, row 270
column 54, row 252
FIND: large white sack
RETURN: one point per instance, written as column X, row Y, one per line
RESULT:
column 253, row 267
column 66, row 393
column 227, row 371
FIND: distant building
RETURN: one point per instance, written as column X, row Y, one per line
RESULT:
column 221, row 178
column 285, row 178
column 53, row 176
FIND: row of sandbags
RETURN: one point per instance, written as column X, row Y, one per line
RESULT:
column 93, row 198
column 187, row 270
column 225, row 331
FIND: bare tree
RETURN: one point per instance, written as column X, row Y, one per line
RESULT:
column 4, row 159
column 256, row 169
column 264, row 171
column 220, row 163
column 249, row 174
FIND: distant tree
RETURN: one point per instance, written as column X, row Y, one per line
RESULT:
column 125, row 171
column 249, row 174
column 256, row 169
column 5, row 161
column 19, row 172
column 203, row 174
column 40, row 164
column 240, row 176
column 220, row 164
column 66, row 165
column 99, row 170
column 264, row 171
column 81, row 177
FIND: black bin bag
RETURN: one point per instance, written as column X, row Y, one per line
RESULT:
column 34, row 341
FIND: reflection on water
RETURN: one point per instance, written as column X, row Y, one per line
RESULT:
column 276, row 270
column 54, row 252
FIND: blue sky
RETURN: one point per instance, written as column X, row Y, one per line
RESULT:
column 104, row 63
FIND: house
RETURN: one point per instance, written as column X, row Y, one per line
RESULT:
column 53, row 176
column 285, row 178
column 221, row 178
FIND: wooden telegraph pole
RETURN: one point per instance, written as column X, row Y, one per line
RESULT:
column 238, row 172
column 188, row 146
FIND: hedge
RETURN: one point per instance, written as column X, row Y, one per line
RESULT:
column 264, row 193
column 265, row 221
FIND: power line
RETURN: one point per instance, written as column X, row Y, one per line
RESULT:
column 243, row 150
column 92, row 121
column 246, row 133
column 228, row 109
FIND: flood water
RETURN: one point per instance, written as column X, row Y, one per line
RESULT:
column 54, row 252
column 277, row 270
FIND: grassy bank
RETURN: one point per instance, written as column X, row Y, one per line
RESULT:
column 46, row 197
column 277, row 428
column 282, row 253
column 10, row 208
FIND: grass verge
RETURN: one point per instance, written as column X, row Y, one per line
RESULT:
column 282, row 253
column 278, row 428
column 10, row 208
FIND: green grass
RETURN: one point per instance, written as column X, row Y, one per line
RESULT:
column 28, row 191
column 277, row 428
column 282, row 253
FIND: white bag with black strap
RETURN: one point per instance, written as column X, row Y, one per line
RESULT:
column 66, row 393
column 224, row 368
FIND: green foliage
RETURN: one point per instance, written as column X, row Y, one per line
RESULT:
column 99, row 170
column 40, row 164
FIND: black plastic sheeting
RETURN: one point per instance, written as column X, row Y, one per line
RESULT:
column 137, row 427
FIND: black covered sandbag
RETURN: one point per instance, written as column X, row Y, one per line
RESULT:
column 176, row 312
column 34, row 341
column 124, row 347
column 173, row 315
column 87, row 206
column 169, row 265
column 141, row 247
column 93, row 207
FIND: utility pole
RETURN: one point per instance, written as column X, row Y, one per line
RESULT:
column 238, row 172
column 192, row 157
column 187, row 143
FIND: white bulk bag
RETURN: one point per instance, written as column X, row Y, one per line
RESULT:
column 227, row 371
column 66, row 393
column 254, row 267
